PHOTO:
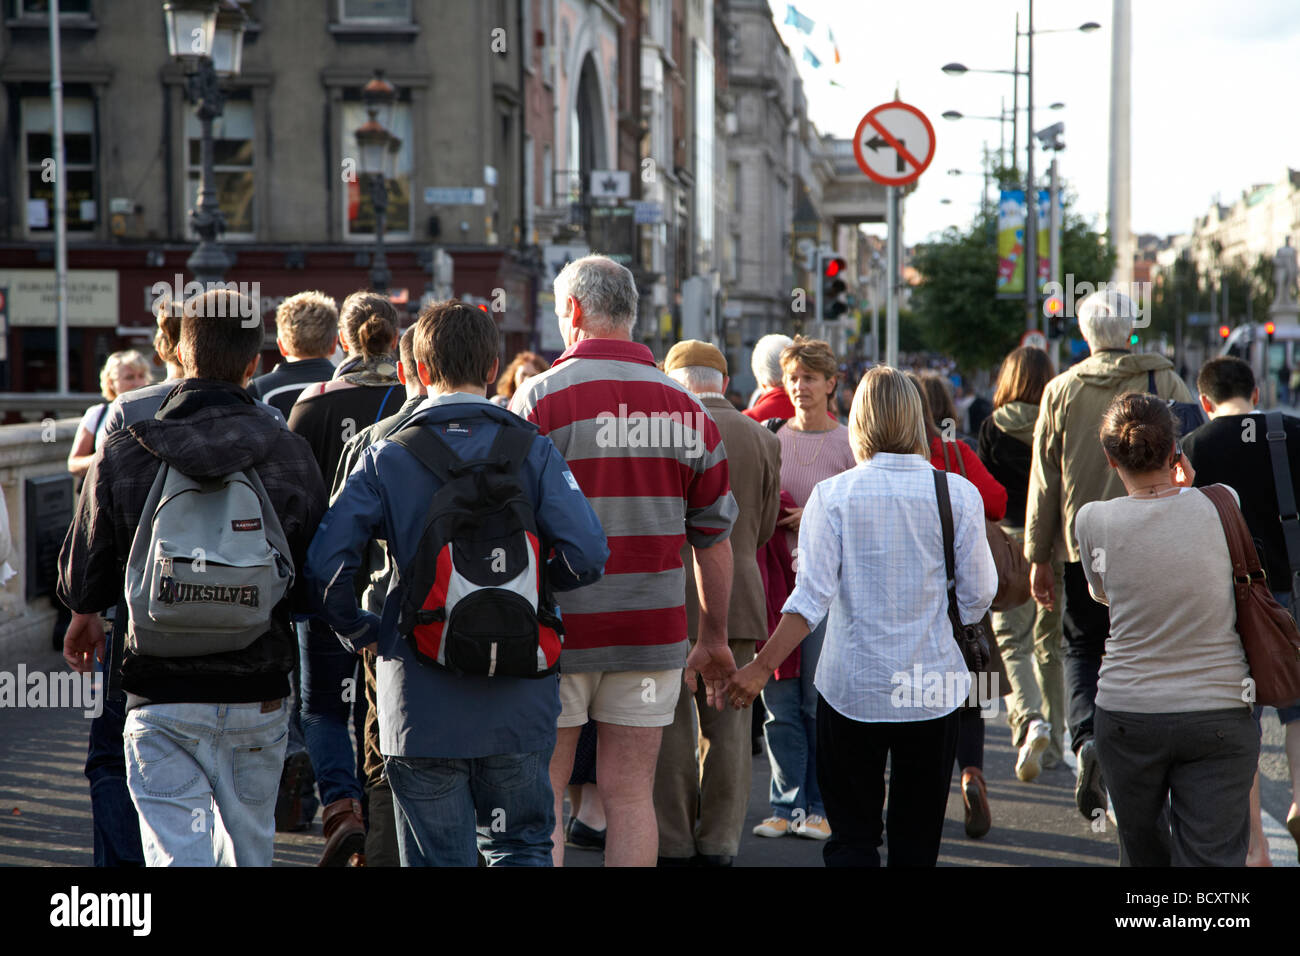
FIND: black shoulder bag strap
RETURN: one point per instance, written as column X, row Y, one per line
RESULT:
column 1285, row 492
column 949, row 560
column 1151, row 382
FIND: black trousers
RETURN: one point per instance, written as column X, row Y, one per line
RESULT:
column 851, row 757
column 1085, row 625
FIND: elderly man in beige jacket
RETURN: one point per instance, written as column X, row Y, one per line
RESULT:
column 1069, row 470
column 720, row 793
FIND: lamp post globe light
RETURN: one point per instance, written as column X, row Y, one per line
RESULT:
column 207, row 38
column 378, row 148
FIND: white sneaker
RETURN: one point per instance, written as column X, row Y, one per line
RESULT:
column 1029, row 762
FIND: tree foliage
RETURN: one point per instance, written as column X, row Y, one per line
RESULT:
column 957, row 309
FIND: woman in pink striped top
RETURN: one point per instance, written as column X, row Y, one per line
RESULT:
column 813, row 447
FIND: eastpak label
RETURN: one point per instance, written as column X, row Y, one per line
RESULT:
column 246, row 524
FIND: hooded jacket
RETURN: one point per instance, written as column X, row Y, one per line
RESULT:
column 1006, row 443
column 1069, row 467
column 204, row 429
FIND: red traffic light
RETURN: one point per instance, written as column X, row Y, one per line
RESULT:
column 1052, row 306
column 1224, row 331
column 1269, row 328
column 834, row 267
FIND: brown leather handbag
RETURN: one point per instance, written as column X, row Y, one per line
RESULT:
column 1268, row 633
column 1008, row 558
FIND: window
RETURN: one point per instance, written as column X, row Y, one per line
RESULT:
column 375, row 11
column 358, row 210
column 232, row 161
column 78, row 160
column 41, row 8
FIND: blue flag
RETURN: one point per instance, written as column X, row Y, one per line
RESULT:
column 808, row 55
column 798, row 20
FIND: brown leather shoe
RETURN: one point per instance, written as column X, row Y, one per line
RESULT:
column 345, row 832
column 974, row 795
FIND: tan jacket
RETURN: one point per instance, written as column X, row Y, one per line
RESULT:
column 754, row 464
column 1069, row 467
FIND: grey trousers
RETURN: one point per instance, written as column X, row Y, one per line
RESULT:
column 1199, row 765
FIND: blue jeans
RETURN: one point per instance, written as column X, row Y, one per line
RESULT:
column 791, row 733
column 116, row 826
column 204, row 779
column 326, row 703
column 448, row 809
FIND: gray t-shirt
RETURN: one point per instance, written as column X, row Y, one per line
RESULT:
column 1162, row 565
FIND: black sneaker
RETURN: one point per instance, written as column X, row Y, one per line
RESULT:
column 1089, row 789
column 583, row 837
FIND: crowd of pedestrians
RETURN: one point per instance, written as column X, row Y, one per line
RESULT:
column 399, row 589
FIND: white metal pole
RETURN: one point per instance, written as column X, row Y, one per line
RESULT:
column 60, row 202
column 1120, row 103
column 1054, row 253
column 891, row 282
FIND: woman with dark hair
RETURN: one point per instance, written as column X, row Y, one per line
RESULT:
column 1028, row 636
column 1177, row 744
column 949, row 454
column 364, row 389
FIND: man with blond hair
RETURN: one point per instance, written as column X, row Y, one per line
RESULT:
column 651, row 461
column 306, row 332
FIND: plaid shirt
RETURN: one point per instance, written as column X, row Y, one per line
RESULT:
column 871, row 551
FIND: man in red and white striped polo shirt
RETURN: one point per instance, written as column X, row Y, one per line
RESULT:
column 650, row 460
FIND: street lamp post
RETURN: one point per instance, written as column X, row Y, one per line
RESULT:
column 378, row 152
column 208, row 38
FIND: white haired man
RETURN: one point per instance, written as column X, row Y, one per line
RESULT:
column 1069, row 470
column 772, row 401
column 652, row 463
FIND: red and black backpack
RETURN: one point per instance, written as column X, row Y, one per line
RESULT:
column 475, row 597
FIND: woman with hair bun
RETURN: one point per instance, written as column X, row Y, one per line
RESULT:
column 1176, row 741
column 365, row 389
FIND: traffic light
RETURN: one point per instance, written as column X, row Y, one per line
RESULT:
column 1133, row 339
column 834, row 288
column 1224, row 331
column 1269, row 329
column 1053, row 312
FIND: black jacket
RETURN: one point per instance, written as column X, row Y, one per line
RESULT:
column 203, row 429
column 1006, row 440
column 282, row 385
column 329, row 414
column 1230, row 451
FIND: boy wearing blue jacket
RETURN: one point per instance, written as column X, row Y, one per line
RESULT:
column 467, row 755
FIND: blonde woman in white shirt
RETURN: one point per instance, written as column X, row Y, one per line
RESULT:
column 891, row 676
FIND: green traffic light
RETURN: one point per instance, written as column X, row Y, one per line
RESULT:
column 1133, row 339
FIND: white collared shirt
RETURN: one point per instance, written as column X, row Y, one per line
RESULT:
column 871, row 552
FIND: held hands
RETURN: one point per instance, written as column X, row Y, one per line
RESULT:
column 715, row 664
column 746, row 684
column 83, row 643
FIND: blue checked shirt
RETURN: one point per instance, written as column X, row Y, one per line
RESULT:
column 871, row 551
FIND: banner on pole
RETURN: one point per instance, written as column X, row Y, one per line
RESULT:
column 1011, row 243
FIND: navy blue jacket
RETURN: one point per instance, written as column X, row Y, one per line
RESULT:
column 425, row 711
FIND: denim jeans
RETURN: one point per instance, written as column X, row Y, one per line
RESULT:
column 326, row 703
column 116, row 826
column 791, row 733
column 204, row 778
column 449, row 809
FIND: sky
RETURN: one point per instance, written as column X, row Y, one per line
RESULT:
column 1215, row 94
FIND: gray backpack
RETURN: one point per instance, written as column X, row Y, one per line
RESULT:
column 208, row 564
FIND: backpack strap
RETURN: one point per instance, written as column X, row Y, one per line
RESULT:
column 1286, row 506
column 1151, row 382
column 949, row 559
column 512, row 446
column 430, row 450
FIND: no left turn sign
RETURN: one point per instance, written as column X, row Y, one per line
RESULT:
column 894, row 143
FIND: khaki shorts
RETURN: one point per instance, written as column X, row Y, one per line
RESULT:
column 625, row 698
